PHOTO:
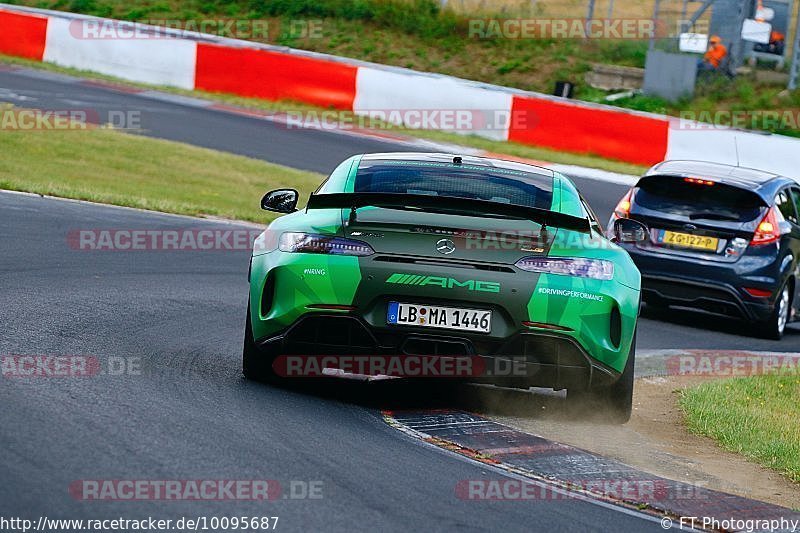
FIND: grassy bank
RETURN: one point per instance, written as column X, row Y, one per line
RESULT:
column 112, row 167
column 418, row 34
column 754, row 416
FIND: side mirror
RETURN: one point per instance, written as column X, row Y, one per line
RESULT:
column 280, row 201
column 630, row 231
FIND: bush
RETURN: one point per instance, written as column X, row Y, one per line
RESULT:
column 417, row 17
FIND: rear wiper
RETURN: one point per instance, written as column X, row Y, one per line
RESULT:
column 713, row 216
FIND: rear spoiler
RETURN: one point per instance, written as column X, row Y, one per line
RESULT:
column 717, row 181
column 446, row 204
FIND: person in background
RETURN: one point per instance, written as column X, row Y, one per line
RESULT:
column 776, row 44
column 777, row 41
column 714, row 56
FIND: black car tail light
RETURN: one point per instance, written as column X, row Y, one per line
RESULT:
column 758, row 293
column 698, row 181
column 768, row 229
column 623, row 208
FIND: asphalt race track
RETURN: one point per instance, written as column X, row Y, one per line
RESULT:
column 186, row 413
column 180, row 410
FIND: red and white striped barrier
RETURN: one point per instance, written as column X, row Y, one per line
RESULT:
column 592, row 129
column 156, row 61
column 380, row 90
column 201, row 61
column 23, row 35
column 275, row 75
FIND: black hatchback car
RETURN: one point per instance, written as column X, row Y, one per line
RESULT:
column 723, row 239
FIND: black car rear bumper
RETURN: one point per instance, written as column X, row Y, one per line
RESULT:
column 709, row 296
column 713, row 286
column 524, row 359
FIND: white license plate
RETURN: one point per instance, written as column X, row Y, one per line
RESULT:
column 435, row 316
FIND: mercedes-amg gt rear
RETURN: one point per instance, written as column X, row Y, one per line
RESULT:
column 435, row 265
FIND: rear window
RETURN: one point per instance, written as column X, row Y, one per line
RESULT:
column 475, row 182
column 697, row 201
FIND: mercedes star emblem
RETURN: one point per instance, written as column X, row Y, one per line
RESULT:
column 445, row 246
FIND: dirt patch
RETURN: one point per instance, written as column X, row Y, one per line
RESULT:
column 656, row 441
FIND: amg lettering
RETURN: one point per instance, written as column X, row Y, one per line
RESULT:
column 433, row 280
column 469, row 284
column 487, row 286
column 445, row 283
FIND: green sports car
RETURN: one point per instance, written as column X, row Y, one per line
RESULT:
column 438, row 265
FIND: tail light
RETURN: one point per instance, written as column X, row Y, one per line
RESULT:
column 768, row 229
column 310, row 243
column 698, row 181
column 623, row 208
column 758, row 293
column 579, row 267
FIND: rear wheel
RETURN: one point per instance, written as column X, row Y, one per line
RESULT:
column 614, row 401
column 775, row 325
column 256, row 364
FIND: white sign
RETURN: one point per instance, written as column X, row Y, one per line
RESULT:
column 696, row 43
column 757, row 32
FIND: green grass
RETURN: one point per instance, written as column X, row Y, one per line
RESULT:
column 754, row 416
column 103, row 165
column 498, row 147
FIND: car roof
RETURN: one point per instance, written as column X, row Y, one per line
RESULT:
column 762, row 182
column 440, row 157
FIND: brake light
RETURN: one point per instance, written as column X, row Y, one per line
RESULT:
column 698, row 181
column 623, row 208
column 768, row 229
column 311, row 243
column 579, row 267
column 758, row 293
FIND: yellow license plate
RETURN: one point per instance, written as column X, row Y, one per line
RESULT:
column 687, row 240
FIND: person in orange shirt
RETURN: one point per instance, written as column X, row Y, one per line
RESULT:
column 777, row 41
column 776, row 44
column 714, row 55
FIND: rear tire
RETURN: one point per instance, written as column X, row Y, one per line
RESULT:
column 615, row 401
column 774, row 327
column 256, row 364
